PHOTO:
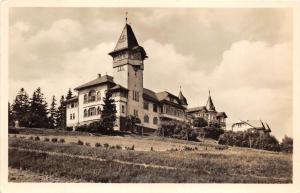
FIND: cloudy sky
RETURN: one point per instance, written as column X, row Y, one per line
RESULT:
column 244, row 56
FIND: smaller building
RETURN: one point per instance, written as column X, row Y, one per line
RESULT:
column 208, row 113
column 255, row 125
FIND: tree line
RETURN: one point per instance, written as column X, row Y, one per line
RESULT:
column 34, row 112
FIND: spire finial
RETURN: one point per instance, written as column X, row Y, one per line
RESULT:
column 209, row 92
column 180, row 88
column 126, row 13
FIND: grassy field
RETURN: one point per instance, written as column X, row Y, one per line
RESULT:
column 204, row 164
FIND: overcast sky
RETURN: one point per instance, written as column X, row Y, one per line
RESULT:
column 244, row 56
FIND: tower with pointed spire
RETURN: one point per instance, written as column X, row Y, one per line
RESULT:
column 210, row 105
column 128, row 65
column 182, row 99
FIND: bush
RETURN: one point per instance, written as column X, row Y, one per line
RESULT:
column 98, row 144
column 69, row 128
column 87, row 144
column 46, row 139
column 62, row 140
column 31, row 138
column 177, row 129
column 256, row 139
column 106, row 145
column 210, row 132
column 79, row 142
column 287, row 144
column 54, row 140
column 37, row 138
column 118, row 147
column 200, row 122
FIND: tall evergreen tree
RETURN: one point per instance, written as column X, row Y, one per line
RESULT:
column 21, row 107
column 70, row 94
column 108, row 113
column 53, row 114
column 61, row 114
column 10, row 116
column 38, row 110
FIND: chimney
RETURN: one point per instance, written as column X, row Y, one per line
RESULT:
column 99, row 75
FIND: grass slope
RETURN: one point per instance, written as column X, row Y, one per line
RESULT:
column 225, row 167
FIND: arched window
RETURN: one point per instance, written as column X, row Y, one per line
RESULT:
column 146, row 119
column 92, row 95
column 155, row 121
column 85, row 113
column 98, row 95
column 85, row 98
column 98, row 110
column 92, row 111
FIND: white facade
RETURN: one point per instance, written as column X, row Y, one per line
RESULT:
column 131, row 98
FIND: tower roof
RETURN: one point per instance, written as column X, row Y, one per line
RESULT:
column 210, row 105
column 127, row 39
column 182, row 98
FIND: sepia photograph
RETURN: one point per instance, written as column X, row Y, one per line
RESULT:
column 150, row 95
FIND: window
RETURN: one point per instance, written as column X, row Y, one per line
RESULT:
column 154, row 107
column 120, row 68
column 85, row 98
column 98, row 95
column 98, row 110
column 92, row 111
column 135, row 95
column 146, row 105
column 123, row 108
column 135, row 113
column 85, row 113
column 146, row 119
column 92, row 96
column 71, row 116
column 155, row 120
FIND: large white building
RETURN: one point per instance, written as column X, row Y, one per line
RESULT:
column 131, row 98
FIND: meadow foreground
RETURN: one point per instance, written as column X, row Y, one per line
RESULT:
column 130, row 159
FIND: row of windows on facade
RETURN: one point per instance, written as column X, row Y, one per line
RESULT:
column 72, row 105
column 92, row 96
column 91, row 111
column 146, row 106
column 173, row 111
column 126, row 55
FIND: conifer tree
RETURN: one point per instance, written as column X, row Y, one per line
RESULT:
column 53, row 114
column 38, row 110
column 21, row 107
column 61, row 114
column 10, row 116
column 108, row 113
column 69, row 95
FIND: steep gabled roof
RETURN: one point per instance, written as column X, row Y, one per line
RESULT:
column 182, row 99
column 127, row 39
column 210, row 105
column 100, row 80
column 202, row 108
column 149, row 95
column 221, row 114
